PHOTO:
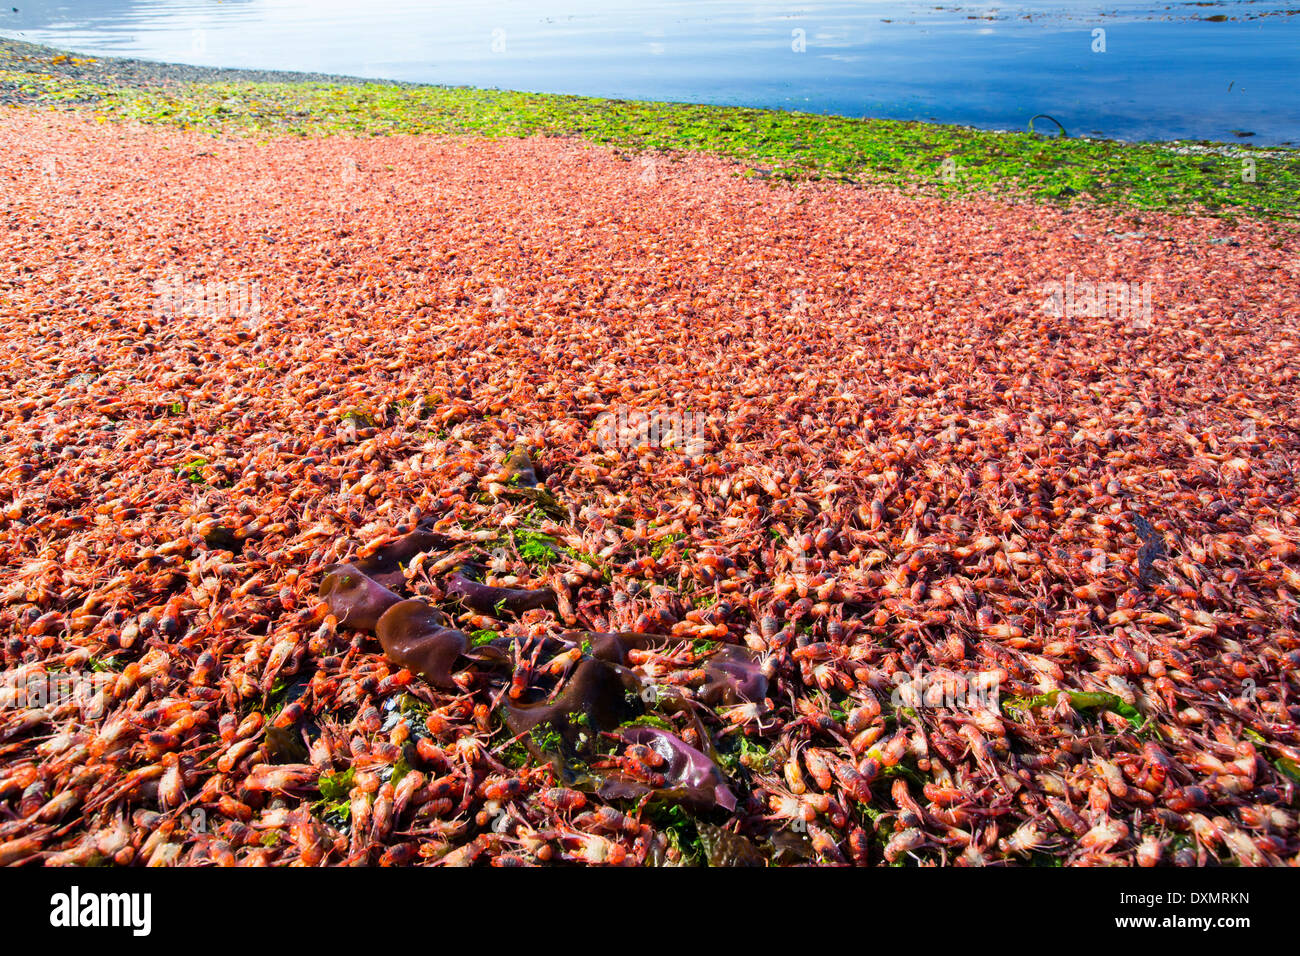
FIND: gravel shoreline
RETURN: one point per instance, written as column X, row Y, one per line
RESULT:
column 20, row 55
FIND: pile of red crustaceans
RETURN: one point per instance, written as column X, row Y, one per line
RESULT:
column 948, row 579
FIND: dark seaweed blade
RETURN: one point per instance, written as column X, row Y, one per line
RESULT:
column 385, row 564
column 597, row 691
column 222, row 538
column 418, row 636
column 691, row 775
column 355, row 599
column 519, row 470
column 1152, row 550
column 486, row 599
column 733, row 676
column 286, row 744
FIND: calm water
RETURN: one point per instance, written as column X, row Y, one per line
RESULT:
column 1165, row 72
